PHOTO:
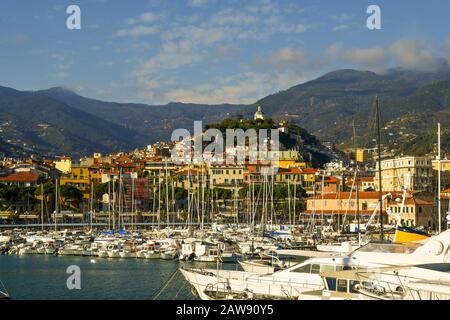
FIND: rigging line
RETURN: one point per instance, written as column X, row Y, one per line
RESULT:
column 167, row 283
column 348, row 202
column 181, row 288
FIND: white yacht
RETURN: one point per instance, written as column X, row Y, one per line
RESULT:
column 113, row 250
column 431, row 253
column 290, row 282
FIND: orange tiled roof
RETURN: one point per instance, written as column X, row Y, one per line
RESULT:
column 309, row 171
column 351, row 195
column 20, row 177
column 340, row 212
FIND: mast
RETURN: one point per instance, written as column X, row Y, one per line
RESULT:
column 91, row 203
column 56, row 201
column 358, row 218
column 120, row 200
column 439, row 179
column 114, row 202
column 167, row 192
column 42, row 206
column 380, row 188
column 109, row 204
column 132, row 202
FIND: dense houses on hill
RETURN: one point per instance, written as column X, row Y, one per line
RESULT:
column 144, row 177
column 331, row 191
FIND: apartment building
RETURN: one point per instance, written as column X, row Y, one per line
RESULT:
column 405, row 173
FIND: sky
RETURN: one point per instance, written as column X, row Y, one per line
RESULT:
column 210, row 51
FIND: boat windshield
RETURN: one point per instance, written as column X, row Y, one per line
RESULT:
column 406, row 248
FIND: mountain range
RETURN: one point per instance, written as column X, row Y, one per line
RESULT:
column 58, row 121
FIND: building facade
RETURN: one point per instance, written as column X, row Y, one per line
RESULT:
column 405, row 173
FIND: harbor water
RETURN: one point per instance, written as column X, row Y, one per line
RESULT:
column 41, row 277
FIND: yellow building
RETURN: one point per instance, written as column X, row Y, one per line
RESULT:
column 223, row 175
column 445, row 165
column 287, row 159
column 409, row 173
column 64, row 164
column 361, row 155
column 79, row 177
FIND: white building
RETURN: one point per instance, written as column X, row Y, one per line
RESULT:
column 259, row 115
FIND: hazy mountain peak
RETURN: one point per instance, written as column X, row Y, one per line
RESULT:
column 347, row 74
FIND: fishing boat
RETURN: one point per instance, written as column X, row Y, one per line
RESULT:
column 152, row 254
column 71, row 250
column 127, row 253
column 169, row 253
column 149, row 250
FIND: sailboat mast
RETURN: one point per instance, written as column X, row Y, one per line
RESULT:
column 42, row 206
column 56, row 201
column 358, row 217
column 439, row 179
column 91, row 203
column 380, row 188
column 109, row 204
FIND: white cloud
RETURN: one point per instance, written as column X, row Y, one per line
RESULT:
column 341, row 27
column 79, row 88
column 285, row 58
column 197, row 3
column 373, row 57
column 137, row 31
column 333, row 51
column 300, row 28
column 414, row 54
column 239, row 88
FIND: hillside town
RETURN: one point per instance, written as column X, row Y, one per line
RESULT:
column 146, row 186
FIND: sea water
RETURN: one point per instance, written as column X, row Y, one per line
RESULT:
column 41, row 277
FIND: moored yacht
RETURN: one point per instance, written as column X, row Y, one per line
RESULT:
column 285, row 283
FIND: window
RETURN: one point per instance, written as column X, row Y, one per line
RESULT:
column 342, row 285
column 326, row 268
column 331, row 282
column 315, row 268
column 353, row 286
column 303, row 269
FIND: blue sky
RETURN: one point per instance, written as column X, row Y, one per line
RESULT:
column 210, row 51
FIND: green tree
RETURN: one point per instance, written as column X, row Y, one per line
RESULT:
column 100, row 190
column 70, row 196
